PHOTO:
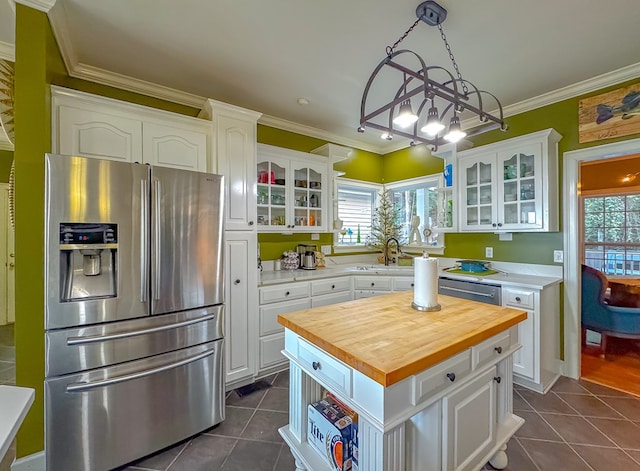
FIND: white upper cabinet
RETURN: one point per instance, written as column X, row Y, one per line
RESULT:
column 510, row 186
column 234, row 155
column 94, row 126
column 293, row 190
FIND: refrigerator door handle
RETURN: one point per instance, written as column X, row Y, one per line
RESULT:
column 80, row 387
column 71, row 341
column 157, row 238
column 144, row 236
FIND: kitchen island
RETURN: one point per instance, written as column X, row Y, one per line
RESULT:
column 433, row 390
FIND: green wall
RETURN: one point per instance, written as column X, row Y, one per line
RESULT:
column 6, row 157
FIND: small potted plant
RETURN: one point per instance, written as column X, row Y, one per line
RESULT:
column 385, row 224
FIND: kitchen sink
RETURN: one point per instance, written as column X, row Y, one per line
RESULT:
column 390, row 269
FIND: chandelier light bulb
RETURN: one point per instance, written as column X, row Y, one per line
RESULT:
column 406, row 117
column 433, row 125
column 455, row 133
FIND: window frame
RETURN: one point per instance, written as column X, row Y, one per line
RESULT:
column 626, row 245
column 377, row 188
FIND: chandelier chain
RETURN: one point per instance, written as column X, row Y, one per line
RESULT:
column 453, row 60
column 391, row 49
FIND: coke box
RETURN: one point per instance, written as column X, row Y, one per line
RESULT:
column 330, row 432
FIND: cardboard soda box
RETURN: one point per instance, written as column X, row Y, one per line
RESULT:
column 354, row 429
column 330, row 432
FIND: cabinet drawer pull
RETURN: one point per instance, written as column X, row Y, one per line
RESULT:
column 499, row 224
column 333, row 286
column 518, row 299
column 451, row 376
column 412, row 285
column 373, row 284
column 287, row 293
column 494, row 224
column 498, row 349
column 497, row 379
column 316, row 365
column 251, row 223
column 237, row 282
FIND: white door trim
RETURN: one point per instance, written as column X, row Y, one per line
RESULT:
column 571, row 219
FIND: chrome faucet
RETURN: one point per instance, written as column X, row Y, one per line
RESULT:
column 386, row 249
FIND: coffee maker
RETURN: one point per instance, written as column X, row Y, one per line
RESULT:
column 307, row 256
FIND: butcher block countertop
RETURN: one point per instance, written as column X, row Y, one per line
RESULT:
column 387, row 340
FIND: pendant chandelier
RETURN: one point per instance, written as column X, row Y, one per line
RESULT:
column 437, row 96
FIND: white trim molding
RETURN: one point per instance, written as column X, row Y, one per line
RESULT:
column 7, row 51
column 570, row 227
column 42, row 5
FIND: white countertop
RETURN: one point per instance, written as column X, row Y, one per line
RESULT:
column 14, row 405
column 522, row 275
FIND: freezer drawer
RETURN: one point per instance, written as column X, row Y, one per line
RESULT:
column 84, row 348
column 108, row 417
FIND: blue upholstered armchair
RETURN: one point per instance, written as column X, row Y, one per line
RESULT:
column 598, row 316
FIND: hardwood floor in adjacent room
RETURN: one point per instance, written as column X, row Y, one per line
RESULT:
column 619, row 370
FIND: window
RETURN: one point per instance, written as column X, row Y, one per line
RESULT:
column 611, row 234
column 417, row 197
column 356, row 202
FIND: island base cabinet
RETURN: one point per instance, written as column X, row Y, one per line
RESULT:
column 459, row 428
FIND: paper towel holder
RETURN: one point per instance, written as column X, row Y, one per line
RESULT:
column 437, row 307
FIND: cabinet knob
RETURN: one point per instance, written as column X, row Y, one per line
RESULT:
column 333, row 286
column 412, row 285
column 373, row 284
column 518, row 299
column 287, row 293
column 451, row 376
column 494, row 224
column 497, row 379
column 499, row 224
column 251, row 223
column 498, row 350
column 237, row 282
column 316, row 365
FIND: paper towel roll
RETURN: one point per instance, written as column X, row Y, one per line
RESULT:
column 425, row 283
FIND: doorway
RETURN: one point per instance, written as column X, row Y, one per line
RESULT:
column 7, row 291
column 571, row 229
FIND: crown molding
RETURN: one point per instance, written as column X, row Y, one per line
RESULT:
column 135, row 85
column 42, row 5
column 310, row 131
column 7, row 51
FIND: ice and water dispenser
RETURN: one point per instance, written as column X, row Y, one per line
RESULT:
column 88, row 254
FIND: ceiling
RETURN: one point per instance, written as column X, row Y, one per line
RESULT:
column 265, row 55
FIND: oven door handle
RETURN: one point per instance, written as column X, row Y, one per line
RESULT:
column 79, row 387
column 71, row 341
column 466, row 291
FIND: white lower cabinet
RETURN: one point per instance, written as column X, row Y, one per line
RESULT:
column 535, row 364
column 369, row 286
column 274, row 300
column 240, row 306
column 469, row 422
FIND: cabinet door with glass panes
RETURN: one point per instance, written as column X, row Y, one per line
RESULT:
column 478, row 193
column 309, row 196
column 520, row 198
column 291, row 195
column 272, row 195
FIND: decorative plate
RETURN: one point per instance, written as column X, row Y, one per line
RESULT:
column 6, row 98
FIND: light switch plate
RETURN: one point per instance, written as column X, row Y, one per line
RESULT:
column 558, row 256
column 488, row 252
column 326, row 249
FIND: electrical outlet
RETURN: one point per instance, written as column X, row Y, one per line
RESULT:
column 488, row 252
column 326, row 249
column 558, row 256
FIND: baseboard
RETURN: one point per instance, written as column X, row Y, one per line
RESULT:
column 34, row 462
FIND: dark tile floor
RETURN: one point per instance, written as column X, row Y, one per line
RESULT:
column 7, row 355
column 577, row 426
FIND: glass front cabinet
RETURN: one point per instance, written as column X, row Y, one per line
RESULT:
column 291, row 191
column 510, row 186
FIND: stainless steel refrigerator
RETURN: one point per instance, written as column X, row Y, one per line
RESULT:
column 133, row 309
